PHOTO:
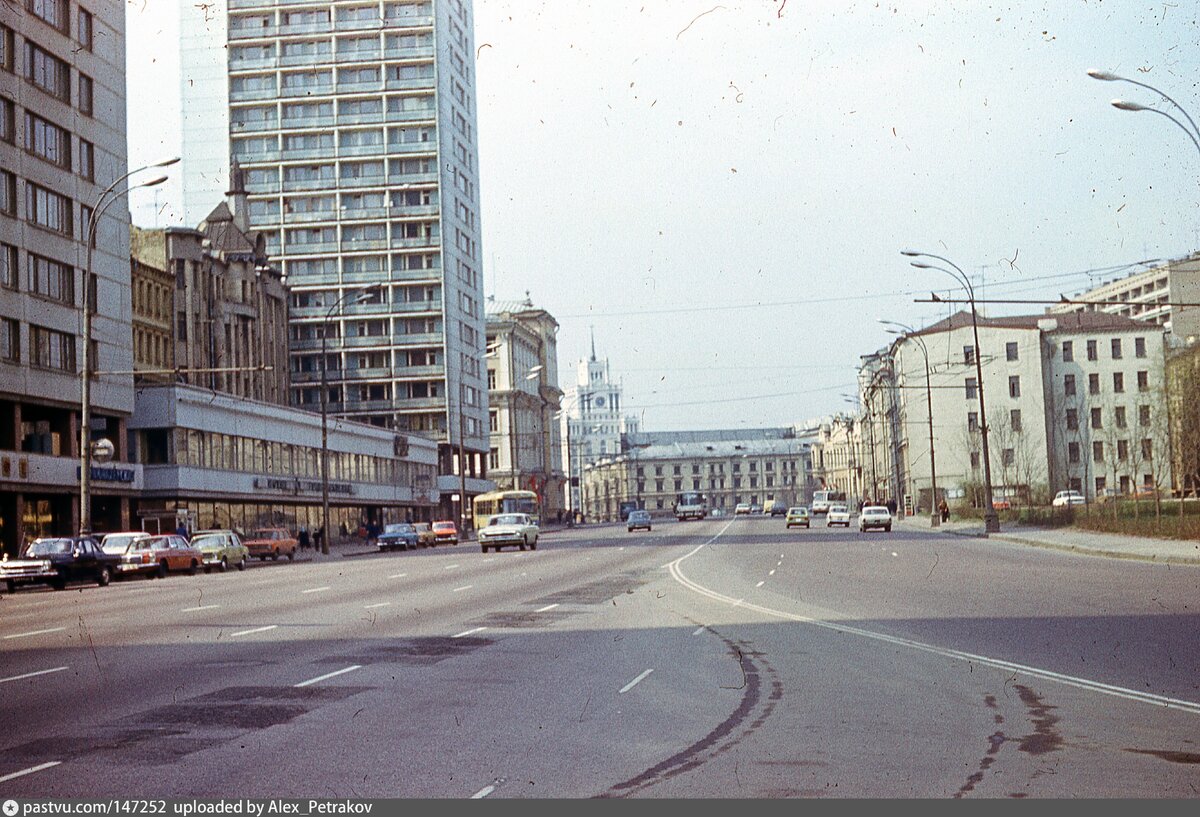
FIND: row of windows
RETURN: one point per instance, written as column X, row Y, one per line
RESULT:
column 300, row 177
column 296, row 115
column 57, row 15
column 44, row 277
column 1119, row 451
column 1093, row 353
column 359, row 46
column 1096, row 416
column 1126, row 483
column 48, row 348
column 971, row 384
column 360, row 265
column 47, row 141
column 324, row 141
column 394, row 13
column 43, row 207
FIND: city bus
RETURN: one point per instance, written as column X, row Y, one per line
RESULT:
column 497, row 502
column 823, row 499
column 691, row 505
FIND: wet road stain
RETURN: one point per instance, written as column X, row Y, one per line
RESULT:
column 1044, row 738
column 1169, row 755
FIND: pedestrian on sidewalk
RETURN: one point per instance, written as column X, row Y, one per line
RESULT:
column 944, row 510
column 319, row 538
column 303, row 538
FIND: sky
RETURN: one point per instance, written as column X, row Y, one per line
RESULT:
column 719, row 192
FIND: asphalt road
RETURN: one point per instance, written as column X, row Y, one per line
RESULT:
column 725, row 658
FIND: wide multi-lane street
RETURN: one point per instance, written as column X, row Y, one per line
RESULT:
column 724, row 658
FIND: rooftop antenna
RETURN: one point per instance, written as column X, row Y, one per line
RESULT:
column 592, row 329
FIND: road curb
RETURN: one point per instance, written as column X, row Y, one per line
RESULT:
column 1100, row 551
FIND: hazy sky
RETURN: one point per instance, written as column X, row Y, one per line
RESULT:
column 721, row 190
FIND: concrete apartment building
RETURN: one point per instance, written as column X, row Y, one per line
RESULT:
column 1073, row 402
column 62, row 142
column 354, row 124
column 1148, row 296
column 218, row 442
column 524, row 399
column 731, row 466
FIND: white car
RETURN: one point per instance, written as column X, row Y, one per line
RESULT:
column 1065, row 499
column 875, row 516
column 742, row 509
column 509, row 529
column 838, row 515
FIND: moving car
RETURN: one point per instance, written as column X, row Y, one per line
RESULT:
column 742, row 509
column 445, row 531
column 638, row 519
column 777, row 509
column 798, row 517
column 874, row 516
column 398, row 536
column 1064, row 499
column 509, row 529
column 58, row 560
column 220, row 549
column 271, row 543
column 838, row 515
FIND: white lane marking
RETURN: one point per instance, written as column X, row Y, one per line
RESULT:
column 32, row 674
column 464, row 587
column 945, row 652
column 620, row 548
column 34, row 632
column 760, row 584
column 699, row 630
column 255, row 630
column 635, row 682
column 327, row 676
column 894, row 553
column 546, row 608
column 468, row 632
column 482, row 793
column 397, row 575
column 30, row 770
column 201, row 607
column 772, row 573
column 380, row 604
column 315, row 589
column 449, row 567
column 485, row 561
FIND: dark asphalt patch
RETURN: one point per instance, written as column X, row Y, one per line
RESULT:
column 518, row 619
column 74, row 746
column 597, row 592
column 238, row 716
column 411, row 651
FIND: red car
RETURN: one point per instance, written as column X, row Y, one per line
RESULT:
column 445, row 532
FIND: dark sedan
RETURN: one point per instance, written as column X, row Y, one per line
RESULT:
column 58, row 560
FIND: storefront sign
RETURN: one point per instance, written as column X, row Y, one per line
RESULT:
column 292, row 485
column 109, row 474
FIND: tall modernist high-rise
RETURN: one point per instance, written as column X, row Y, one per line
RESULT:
column 353, row 125
column 62, row 143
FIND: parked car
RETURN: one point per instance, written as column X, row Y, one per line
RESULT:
column 135, row 560
column 838, row 515
column 798, row 517
column 58, row 560
column 638, row 519
column 271, row 543
column 398, row 536
column 874, row 516
column 742, row 509
column 509, row 529
column 1064, row 499
column 756, row 509
column 445, row 531
column 220, row 549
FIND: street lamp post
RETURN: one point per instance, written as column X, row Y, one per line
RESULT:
column 103, row 201
column 360, row 294
column 908, row 332
column 991, row 520
column 1193, row 132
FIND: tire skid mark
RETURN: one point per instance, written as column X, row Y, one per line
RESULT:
column 753, row 709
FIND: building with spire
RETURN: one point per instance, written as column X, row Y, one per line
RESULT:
column 593, row 421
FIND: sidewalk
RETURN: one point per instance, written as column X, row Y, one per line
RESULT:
column 1114, row 546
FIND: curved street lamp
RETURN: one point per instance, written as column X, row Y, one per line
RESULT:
column 1120, row 104
column 360, row 294
column 908, row 333
column 106, row 198
column 991, row 520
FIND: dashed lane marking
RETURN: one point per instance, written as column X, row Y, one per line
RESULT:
column 34, row 632
column 254, row 630
column 327, row 676
column 316, row 589
column 31, row 674
column 380, row 604
column 469, row 632
column 634, row 682
column 464, row 587
column 397, row 575
column 547, row 608
column 30, row 770
column 201, row 607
